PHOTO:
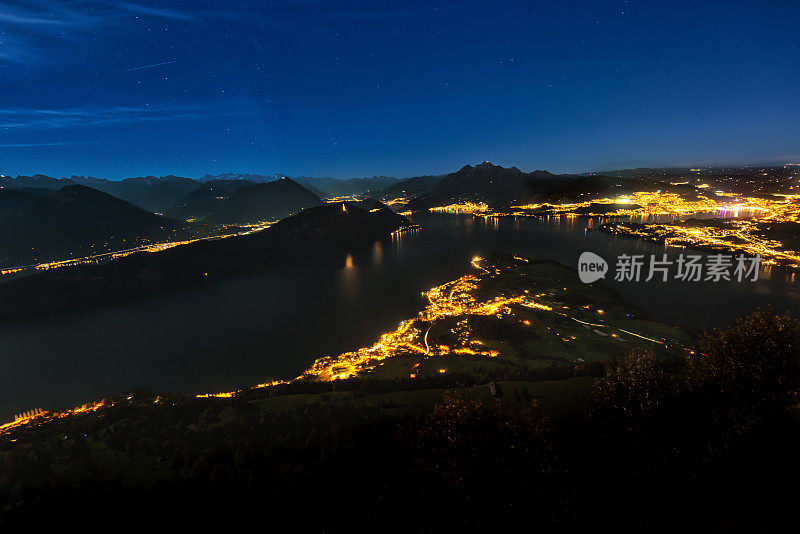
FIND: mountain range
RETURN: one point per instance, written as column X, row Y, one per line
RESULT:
column 155, row 194
column 160, row 194
column 322, row 187
column 77, row 221
column 44, row 218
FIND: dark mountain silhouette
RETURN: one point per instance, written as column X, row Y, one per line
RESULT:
column 322, row 187
column 500, row 186
column 313, row 233
column 369, row 204
column 160, row 194
column 320, row 193
column 40, row 181
column 77, row 221
column 14, row 202
column 333, row 187
column 247, row 177
column 155, row 194
column 202, row 202
column 411, row 187
column 270, row 201
column 38, row 191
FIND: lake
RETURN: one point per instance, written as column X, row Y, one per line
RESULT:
column 242, row 331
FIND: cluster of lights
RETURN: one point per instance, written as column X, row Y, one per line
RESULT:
column 42, row 416
column 455, row 299
column 464, row 207
column 344, row 198
column 399, row 201
column 742, row 232
column 406, row 229
column 452, row 299
column 737, row 235
column 641, row 203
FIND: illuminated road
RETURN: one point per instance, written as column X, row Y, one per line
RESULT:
column 427, row 347
column 116, row 254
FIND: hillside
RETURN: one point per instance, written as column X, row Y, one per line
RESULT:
column 332, row 187
column 265, row 202
column 411, row 187
column 78, row 221
column 202, row 202
column 14, row 202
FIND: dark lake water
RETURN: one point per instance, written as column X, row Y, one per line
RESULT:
column 242, row 331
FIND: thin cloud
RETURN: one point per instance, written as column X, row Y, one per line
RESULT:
column 12, row 52
column 51, row 119
column 158, row 12
column 43, row 14
column 10, row 18
column 28, row 29
column 54, row 143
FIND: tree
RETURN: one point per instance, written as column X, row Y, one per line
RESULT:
column 632, row 389
column 753, row 362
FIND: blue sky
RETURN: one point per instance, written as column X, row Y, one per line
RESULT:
column 341, row 88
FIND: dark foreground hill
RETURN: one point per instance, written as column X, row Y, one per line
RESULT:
column 674, row 444
column 78, row 221
column 259, row 203
column 313, row 232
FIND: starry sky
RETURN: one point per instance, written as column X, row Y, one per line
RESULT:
column 393, row 87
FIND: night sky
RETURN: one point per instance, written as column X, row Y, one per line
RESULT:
column 400, row 88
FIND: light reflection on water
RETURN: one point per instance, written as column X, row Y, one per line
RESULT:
column 244, row 330
column 563, row 238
